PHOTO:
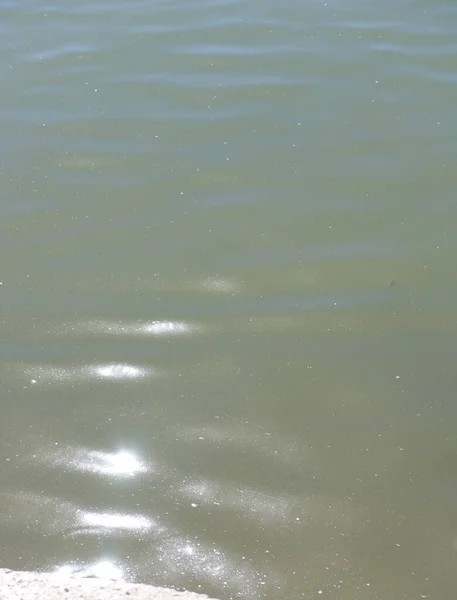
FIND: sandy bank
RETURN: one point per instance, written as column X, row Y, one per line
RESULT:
column 18, row 585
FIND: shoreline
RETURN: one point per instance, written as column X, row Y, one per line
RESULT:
column 26, row 585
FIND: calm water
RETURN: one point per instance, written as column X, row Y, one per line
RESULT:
column 228, row 294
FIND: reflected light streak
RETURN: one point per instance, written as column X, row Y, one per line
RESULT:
column 118, row 371
column 113, row 371
column 121, row 464
column 163, row 328
column 104, row 569
column 151, row 328
column 112, row 521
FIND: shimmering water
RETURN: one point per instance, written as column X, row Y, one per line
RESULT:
column 228, row 295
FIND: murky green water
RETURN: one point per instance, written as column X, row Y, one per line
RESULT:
column 228, row 295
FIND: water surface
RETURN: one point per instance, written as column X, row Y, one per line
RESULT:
column 228, row 323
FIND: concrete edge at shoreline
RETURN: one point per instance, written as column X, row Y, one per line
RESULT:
column 24, row 585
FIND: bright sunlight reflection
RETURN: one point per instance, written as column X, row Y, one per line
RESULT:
column 122, row 463
column 103, row 521
column 104, row 569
